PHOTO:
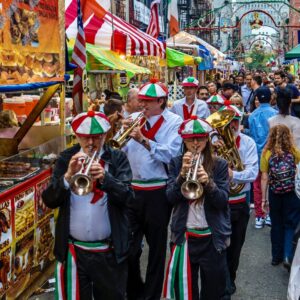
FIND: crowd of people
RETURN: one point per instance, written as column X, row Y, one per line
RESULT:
column 200, row 162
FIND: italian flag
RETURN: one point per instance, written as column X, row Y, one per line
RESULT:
column 173, row 17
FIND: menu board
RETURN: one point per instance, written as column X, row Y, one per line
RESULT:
column 31, row 42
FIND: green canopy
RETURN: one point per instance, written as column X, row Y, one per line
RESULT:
column 100, row 59
column 179, row 59
column 294, row 53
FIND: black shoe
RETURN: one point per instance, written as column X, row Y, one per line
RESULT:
column 276, row 262
column 287, row 263
column 232, row 288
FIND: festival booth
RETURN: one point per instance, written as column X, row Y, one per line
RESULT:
column 109, row 32
column 31, row 73
column 293, row 60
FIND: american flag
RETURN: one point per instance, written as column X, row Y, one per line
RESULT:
column 79, row 58
column 153, row 27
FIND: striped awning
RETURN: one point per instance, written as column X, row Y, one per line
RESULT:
column 111, row 32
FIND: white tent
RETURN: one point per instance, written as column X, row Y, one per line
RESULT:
column 186, row 38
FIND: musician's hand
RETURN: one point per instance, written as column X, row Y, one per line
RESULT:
column 230, row 172
column 218, row 143
column 202, row 176
column 136, row 134
column 186, row 163
column 75, row 164
column 126, row 122
column 97, row 171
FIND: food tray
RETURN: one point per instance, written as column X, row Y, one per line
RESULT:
column 32, row 171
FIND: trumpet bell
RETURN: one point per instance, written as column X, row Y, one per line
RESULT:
column 192, row 190
column 81, row 184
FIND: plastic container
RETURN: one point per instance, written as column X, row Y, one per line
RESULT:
column 28, row 105
column 47, row 115
column 16, row 104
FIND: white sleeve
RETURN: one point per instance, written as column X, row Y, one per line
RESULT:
column 250, row 164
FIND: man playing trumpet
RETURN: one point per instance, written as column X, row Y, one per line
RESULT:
column 201, row 227
column 92, row 230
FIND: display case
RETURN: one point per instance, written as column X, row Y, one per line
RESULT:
column 26, row 224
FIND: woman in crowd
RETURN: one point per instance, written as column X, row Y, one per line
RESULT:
column 278, row 167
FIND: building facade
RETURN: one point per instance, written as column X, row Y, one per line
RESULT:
column 294, row 20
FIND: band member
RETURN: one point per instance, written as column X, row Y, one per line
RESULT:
column 149, row 151
column 215, row 103
column 190, row 105
column 92, row 230
column 239, row 208
column 201, row 227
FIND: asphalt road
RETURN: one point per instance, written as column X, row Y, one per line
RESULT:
column 257, row 279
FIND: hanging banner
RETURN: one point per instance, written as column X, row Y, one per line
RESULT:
column 31, row 41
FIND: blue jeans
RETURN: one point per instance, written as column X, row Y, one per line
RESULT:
column 285, row 215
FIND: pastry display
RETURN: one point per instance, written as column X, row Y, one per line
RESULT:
column 15, row 170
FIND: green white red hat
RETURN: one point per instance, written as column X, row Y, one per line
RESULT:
column 194, row 127
column 190, row 82
column 238, row 113
column 90, row 123
column 153, row 90
column 214, row 100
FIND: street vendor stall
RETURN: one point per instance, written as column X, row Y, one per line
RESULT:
column 32, row 72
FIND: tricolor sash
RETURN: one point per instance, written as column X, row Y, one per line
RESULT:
column 239, row 198
column 180, row 262
column 69, row 290
column 148, row 185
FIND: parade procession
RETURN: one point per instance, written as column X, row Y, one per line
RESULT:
column 150, row 149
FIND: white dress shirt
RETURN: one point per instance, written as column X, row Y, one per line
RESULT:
column 201, row 112
column 249, row 157
column 149, row 165
column 196, row 216
column 88, row 222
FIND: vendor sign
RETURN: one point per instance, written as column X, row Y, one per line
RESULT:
column 31, row 41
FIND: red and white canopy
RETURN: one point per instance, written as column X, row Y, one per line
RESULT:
column 109, row 31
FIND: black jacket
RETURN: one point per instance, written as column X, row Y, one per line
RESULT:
column 215, row 206
column 117, row 186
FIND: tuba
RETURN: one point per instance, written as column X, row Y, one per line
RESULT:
column 81, row 183
column 122, row 136
column 192, row 189
column 220, row 121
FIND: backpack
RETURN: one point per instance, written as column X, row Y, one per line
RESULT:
column 282, row 171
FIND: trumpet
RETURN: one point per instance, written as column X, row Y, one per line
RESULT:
column 81, row 183
column 192, row 189
column 122, row 136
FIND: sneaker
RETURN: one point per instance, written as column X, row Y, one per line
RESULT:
column 259, row 222
column 268, row 221
column 251, row 205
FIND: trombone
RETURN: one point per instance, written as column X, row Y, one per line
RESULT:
column 122, row 137
column 82, row 183
column 192, row 189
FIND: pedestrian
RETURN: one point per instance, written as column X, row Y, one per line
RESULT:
column 228, row 89
column 256, row 83
column 247, row 92
column 203, row 93
column 212, row 88
column 149, row 151
column 284, row 101
column 259, row 130
column 132, row 104
column 190, row 105
column 200, row 228
column 92, row 230
column 278, row 167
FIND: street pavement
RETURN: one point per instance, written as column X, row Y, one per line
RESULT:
column 257, row 279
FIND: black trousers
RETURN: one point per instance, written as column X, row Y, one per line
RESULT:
column 212, row 265
column 100, row 276
column 239, row 221
column 149, row 215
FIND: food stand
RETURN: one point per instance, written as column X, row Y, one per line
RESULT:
column 32, row 59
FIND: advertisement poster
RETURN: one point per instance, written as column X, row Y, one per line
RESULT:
column 5, row 225
column 5, row 270
column 45, row 242
column 24, row 212
column 41, row 208
column 30, row 41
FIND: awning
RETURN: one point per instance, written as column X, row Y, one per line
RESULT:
column 185, row 38
column 101, row 59
column 111, row 32
column 294, row 53
column 179, row 59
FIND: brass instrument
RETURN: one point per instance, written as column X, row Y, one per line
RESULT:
column 122, row 136
column 192, row 189
column 220, row 121
column 81, row 183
